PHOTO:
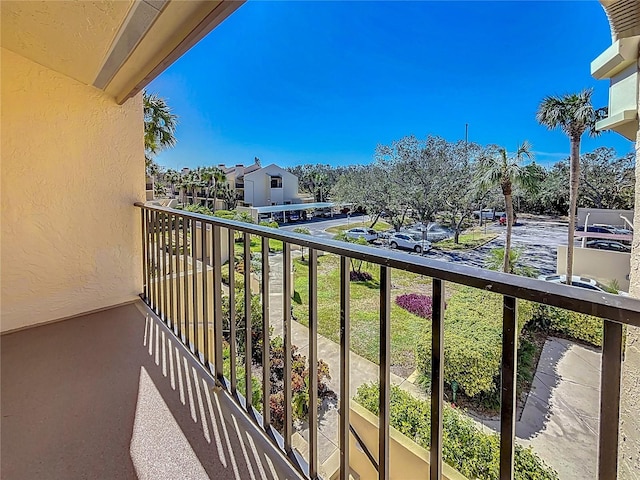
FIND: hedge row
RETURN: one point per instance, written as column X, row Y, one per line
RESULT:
column 473, row 340
column 571, row 324
column 473, row 453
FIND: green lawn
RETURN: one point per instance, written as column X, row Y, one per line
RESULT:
column 365, row 307
column 380, row 226
column 256, row 246
column 469, row 239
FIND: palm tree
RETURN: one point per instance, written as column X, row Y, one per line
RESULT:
column 505, row 172
column 220, row 180
column 575, row 115
column 206, row 176
column 159, row 126
column 173, row 177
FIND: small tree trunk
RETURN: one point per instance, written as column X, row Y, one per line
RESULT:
column 375, row 220
column 508, row 201
column 573, row 202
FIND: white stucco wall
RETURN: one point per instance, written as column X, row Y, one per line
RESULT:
column 258, row 191
column 600, row 265
column 72, row 167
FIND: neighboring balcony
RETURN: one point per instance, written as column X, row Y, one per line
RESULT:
column 157, row 389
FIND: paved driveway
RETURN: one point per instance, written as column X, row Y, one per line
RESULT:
column 538, row 240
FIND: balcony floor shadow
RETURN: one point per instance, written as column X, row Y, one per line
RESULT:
column 114, row 395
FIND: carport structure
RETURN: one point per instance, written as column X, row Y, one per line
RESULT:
column 256, row 212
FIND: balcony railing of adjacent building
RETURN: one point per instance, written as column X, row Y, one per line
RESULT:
column 180, row 300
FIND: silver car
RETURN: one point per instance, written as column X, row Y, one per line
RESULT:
column 409, row 242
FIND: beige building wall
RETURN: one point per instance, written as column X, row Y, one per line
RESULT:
column 600, row 265
column 407, row 459
column 72, row 167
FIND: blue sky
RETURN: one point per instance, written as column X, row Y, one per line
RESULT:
column 325, row 82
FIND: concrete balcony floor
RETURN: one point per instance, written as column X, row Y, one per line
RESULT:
column 114, row 395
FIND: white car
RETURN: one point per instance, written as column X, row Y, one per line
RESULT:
column 582, row 282
column 410, row 242
column 368, row 234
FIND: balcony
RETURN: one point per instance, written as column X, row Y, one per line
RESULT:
column 147, row 390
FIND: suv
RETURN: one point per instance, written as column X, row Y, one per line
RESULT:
column 410, row 242
column 368, row 234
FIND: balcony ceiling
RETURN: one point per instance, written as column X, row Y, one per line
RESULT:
column 118, row 46
column 40, row 31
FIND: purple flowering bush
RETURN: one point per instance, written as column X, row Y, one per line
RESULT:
column 416, row 303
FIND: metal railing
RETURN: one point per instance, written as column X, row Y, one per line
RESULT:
column 165, row 231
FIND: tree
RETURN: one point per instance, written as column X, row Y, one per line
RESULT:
column 459, row 192
column 606, row 180
column 420, row 163
column 504, row 171
column 574, row 115
column 159, row 126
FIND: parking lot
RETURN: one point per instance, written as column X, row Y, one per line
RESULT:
column 536, row 238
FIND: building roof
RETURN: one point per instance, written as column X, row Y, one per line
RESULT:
column 292, row 207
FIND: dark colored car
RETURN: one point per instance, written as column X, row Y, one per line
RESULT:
column 609, row 245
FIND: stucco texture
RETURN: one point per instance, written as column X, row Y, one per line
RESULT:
column 72, row 167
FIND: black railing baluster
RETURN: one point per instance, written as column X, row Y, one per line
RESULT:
column 145, row 245
column 163, row 268
column 194, row 293
column 508, row 387
column 178, row 322
column 156, row 253
column 286, row 312
column 266, row 362
column 171, row 314
column 185, row 273
column 610, row 376
column 217, row 303
column 233, row 350
column 248, row 350
column 313, row 362
column 343, row 433
column 437, row 376
column 205, row 294
column 385, row 373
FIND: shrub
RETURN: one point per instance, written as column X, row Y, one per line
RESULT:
column 473, row 453
column 473, row 340
column 574, row 325
column 228, row 214
column 356, row 276
column 239, row 277
column 269, row 224
column 415, row 303
column 197, row 209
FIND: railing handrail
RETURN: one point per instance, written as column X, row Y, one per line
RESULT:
column 617, row 308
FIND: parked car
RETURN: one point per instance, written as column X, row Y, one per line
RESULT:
column 609, row 245
column 582, row 282
column 410, row 242
column 368, row 234
column 293, row 216
column 503, row 219
column 487, row 214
